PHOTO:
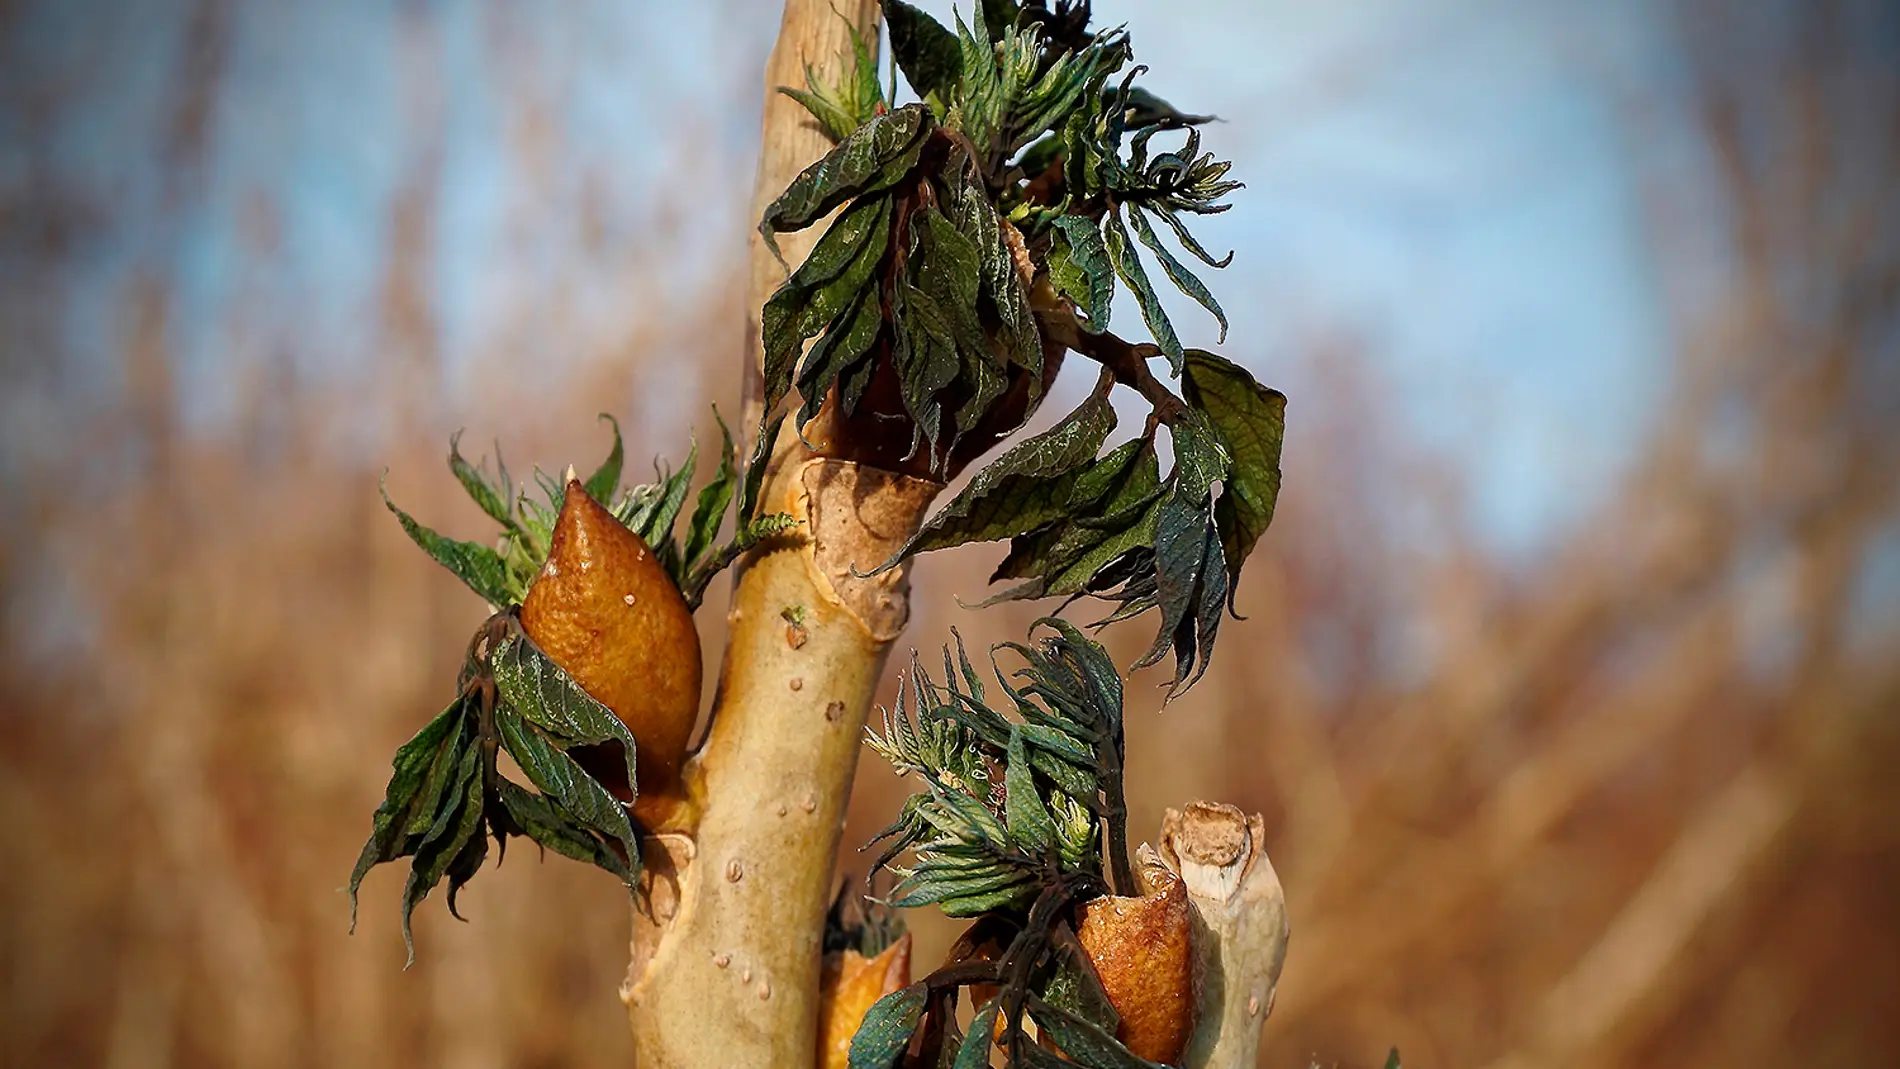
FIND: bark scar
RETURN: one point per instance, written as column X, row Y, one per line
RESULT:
column 857, row 517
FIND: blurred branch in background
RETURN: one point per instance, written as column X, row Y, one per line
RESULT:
column 1630, row 805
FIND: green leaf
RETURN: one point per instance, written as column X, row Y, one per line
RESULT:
column 1000, row 15
column 493, row 500
column 1392, row 1059
column 1030, row 826
column 477, row 565
column 1170, row 217
column 1021, row 491
column 1214, row 596
column 710, row 510
column 974, row 1052
column 925, row 51
column 981, row 93
column 853, row 101
column 464, row 865
column 965, row 817
column 1075, row 988
column 1083, row 1041
column 539, row 691
column 606, row 478
column 1142, row 108
column 887, row 1028
column 1251, row 422
column 873, row 157
column 756, row 467
column 937, row 884
column 550, row 826
column 656, row 525
column 946, row 266
column 975, row 905
column 564, row 782
column 408, row 793
column 1177, row 272
column 1080, row 268
column 1091, row 666
column 1128, row 268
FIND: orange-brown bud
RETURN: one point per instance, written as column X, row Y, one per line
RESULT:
column 849, row 986
column 1140, row 947
column 606, row 611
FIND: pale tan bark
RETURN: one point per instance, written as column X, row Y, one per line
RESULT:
column 1240, row 928
column 726, row 954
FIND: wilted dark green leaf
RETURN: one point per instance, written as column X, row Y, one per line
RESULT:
column 829, row 281
column 947, row 266
column 459, row 820
column 1083, row 1041
column 974, row 1051
column 1180, row 550
column 547, row 824
column 557, row 776
column 536, row 688
column 473, row 563
column 925, row 51
column 887, row 1028
column 408, row 794
column 1074, row 987
column 874, row 157
column 926, row 358
column 849, row 342
column 1023, row 490
column 1251, row 422
column 463, row 867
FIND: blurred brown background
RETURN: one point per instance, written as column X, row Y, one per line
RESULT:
column 1570, row 684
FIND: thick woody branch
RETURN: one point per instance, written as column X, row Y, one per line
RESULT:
column 1240, row 928
column 727, row 946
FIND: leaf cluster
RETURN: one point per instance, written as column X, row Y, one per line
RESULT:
column 446, row 797
column 1011, row 799
column 979, row 226
column 501, row 573
column 1010, row 830
column 1082, row 522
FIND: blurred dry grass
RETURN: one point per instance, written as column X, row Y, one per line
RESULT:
column 1632, row 807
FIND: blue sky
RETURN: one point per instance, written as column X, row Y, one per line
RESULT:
column 1453, row 184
